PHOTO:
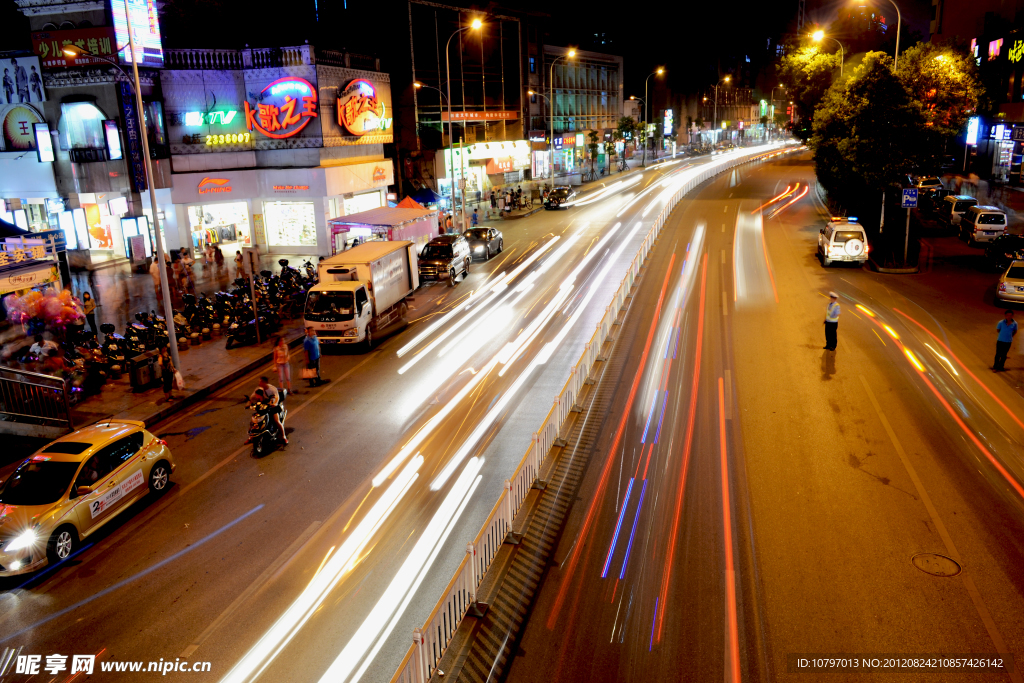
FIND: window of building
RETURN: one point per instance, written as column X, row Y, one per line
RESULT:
column 533, row 99
column 66, row 26
column 81, row 126
column 533, row 65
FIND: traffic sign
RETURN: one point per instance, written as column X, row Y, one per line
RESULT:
column 909, row 198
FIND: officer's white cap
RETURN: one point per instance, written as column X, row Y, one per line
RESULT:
column 833, row 295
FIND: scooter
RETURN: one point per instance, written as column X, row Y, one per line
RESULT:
column 262, row 431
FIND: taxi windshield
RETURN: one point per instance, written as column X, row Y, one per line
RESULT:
column 38, row 482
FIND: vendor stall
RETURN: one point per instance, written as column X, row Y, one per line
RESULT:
column 416, row 225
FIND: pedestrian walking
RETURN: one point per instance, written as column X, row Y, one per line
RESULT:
column 832, row 321
column 1006, row 328
column 476, row 218
column 238, row 264
column 218, row 258
column 311, row 346
column 282, row 361
column 494, row 200
column 89, row 308
column 167, row 372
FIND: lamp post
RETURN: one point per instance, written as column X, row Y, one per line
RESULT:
column 75, row 51
column 551, row 151
column 644, row 101
column 656, row 72
column 818, row 36
column 780, row 87
column 451, row 161
column 720, row 81
column 475, row 24
column 551, row 105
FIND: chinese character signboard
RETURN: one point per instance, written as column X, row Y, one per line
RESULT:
column 16, row 126
column 360, row 110
column 283, row 108
column 21, row 80
column 480, row 115
column 133, row 136
column 49, row 46
column 145, row 30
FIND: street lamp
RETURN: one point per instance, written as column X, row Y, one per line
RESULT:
column 818, row 36
column 75, row 51
column 899, row 24
column 451, row 160
column 474, row 25
column 552, row 111
column 657, row 72
column 644, row 101
column 551, row 105
column 780, row 87
column 720, row 81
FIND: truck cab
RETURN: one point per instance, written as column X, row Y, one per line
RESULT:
column 339, row 311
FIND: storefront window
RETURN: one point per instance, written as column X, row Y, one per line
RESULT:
column 218, row 224
column 81, row 126
column 362, row 202
column 290, row 224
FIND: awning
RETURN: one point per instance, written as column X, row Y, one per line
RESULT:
column 426, row 196
column 32, row 275
column 408, row 203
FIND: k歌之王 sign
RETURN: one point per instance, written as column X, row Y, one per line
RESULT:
column 361, row 110
column 285, row 107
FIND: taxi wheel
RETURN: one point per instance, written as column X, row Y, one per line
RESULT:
column 159, row 477
column 62, row 544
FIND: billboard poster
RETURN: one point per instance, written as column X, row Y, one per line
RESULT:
column 22, row 81
column 145, row 30
column 133, row 136
column 48, row 46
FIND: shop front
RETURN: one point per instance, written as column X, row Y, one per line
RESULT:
column 418, row 226
column 484, row 166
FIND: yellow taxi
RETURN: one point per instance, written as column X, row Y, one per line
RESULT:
column 72, row 487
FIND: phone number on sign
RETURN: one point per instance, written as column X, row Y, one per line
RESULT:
column 799, row 663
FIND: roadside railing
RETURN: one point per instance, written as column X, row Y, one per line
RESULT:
column 459, row 598
column 34, row 404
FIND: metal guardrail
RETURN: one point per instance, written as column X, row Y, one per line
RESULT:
column 459, row 598
column 37, row 403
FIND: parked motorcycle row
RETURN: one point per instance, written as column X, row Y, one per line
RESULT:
column 87, row 364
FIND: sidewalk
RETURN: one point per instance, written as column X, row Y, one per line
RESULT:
column 1008, row 198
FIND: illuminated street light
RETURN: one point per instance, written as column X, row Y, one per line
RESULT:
column 899, row 25
column 657, row 72
column 720, row 81
column 818, row 36
column 475, row 25
column 75, row 51
column 551, row 106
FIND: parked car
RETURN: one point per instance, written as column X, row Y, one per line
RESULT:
column 559, row 197
column 982, row 224
column 842, row 239
column 72, row 487
column 1011, row 283
column 954, row 207
column 484, row 242
column 927, row 184
column 1003, row 250
column 934, row 201
column 445, row 258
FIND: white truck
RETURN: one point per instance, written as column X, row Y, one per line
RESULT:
column 361, row 292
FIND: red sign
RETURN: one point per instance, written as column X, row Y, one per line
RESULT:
column 49, row 46
column 360, row 110
column 214, row 185
column 480, row 115
column 499, row 165
column 285, row 107
column 291, row 187
column 379, row 174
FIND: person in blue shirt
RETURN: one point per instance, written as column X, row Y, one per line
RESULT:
column 1006, row 328
column 832, row 322
column 311, row 345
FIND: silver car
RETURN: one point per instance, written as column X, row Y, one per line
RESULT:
column 1011, row 283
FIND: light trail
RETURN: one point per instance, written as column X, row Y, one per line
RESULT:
column 731, row 614
column 303, row 607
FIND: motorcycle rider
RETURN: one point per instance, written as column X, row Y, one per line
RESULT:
column 267, row 393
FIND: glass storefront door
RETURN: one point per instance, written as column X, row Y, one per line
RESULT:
column 290, row 224
column 218, row 224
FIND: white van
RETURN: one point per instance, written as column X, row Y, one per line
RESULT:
column 982, row 224
column 954, row 207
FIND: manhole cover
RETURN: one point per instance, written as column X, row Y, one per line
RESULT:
column 936, row 565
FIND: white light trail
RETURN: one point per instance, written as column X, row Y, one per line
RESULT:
column 285, row 628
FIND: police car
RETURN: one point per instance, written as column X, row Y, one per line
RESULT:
column 842, row 239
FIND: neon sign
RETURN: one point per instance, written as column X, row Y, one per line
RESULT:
column 285, row 108
column 228, row 139
column 1017, row 51
column 198, row 118
column 360, row 111
column 214, row 185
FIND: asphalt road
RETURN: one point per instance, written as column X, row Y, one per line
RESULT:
column 244, row 565
column 757, row 499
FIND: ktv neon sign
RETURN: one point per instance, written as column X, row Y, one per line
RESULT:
column 285, row 108
column 198, row 118
column 360, row 111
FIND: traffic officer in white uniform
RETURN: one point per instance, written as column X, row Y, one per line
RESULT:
column 832, row 321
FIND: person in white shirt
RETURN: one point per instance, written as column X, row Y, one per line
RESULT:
column 832, row 321
column 42, row 347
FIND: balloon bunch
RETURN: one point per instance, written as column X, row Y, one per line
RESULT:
column 50, row 308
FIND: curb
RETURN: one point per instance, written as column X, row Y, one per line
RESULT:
column 522, row 215
column 200, row 394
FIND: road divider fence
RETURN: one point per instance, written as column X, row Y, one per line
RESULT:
column 459, row 598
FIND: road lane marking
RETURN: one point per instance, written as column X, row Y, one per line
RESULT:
column 253, row 587
column 732, row 642
column 723, row 257
column 723, row 227
column 940, row 528
column 725, row 209
column 725, row 304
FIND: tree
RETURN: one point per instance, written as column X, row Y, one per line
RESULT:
column 609, row 152
column 807, row 74
column 592, row 148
